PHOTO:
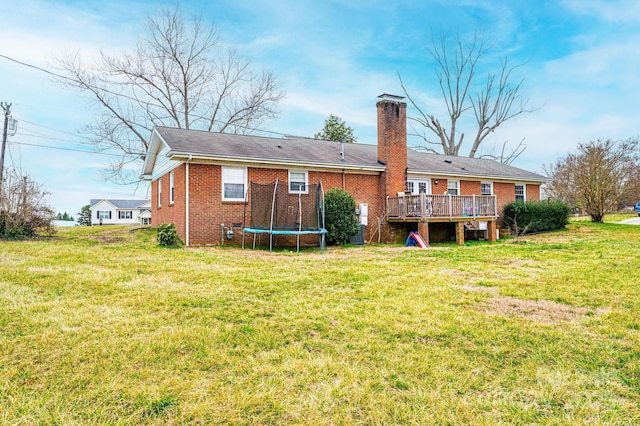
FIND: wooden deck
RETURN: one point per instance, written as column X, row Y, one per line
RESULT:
column 440, row 208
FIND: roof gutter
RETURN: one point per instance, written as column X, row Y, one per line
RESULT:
column 541, row 180
column 271, row 162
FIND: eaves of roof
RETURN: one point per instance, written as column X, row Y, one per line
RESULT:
column 186, row 156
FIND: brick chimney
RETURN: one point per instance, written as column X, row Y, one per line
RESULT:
column 392, row 143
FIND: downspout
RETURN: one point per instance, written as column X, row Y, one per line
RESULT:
column 186, row 208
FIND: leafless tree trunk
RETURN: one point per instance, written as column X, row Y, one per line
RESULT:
column 595, row 178
column 178, row 76
column 497, row 100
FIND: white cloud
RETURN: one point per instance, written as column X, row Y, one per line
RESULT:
column 612, row 11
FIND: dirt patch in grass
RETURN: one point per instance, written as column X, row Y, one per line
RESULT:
column 113, row 237
column 542, row 311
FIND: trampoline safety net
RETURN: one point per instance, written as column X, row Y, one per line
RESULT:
column 276, row 211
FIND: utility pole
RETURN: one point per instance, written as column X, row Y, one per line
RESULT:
column 7, row 113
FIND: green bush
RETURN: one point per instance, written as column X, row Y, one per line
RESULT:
column 168, row 235
column 340, row 216
column 536, row 216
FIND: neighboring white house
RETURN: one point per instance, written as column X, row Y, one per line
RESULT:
column 120, row 212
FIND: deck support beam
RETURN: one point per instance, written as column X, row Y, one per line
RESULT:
column 423, row 229
column 492, row 227
column 459, row 232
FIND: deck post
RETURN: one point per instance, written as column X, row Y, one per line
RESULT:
column 460, row 232
column 473, row 206
column 491, row 230
column 423, row 229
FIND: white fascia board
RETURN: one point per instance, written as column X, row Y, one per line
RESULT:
column 435, row 175
column 270, row 163
column 156, row 143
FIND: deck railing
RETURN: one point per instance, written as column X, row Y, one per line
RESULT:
column 426, row 206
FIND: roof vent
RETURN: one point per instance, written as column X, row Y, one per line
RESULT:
column 447, row 161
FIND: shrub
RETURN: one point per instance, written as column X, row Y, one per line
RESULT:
column 168, row 235
column 536, row 216
column 23, row 211
column 340, row 216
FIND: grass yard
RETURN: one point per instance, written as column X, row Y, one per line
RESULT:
column 101, row 326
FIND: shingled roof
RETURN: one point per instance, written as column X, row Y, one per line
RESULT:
column 448, row 165
column 121, row 204
column 288, row 149
column 307, row 152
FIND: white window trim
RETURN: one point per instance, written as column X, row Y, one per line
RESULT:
column 306, row 182
column 244, row 182
column 160, row 192
column 524, row 192
column 457, row 182
column 171, row 188
column 490, row 186
column 122, row 214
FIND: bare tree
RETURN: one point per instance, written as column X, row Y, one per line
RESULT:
column 631, row 193
column 596, row 178
column 178, row 76
column 23, row 209
column 493, row 101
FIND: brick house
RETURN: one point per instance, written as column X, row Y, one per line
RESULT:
column 199, row 181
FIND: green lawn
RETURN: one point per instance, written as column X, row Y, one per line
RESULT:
column 101, row 326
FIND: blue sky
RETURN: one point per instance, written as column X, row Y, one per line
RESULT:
column 581, row 66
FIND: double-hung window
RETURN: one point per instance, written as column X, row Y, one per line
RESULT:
column 171, row 188
column 125, row 214
column 453, row 187
column 521, row 193
column 103, row 214
column 160, row 192
column 486, row 188
column 298, row 182
column 234, row 183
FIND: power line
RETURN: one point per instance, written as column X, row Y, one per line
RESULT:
column 130, row 154
column 22, row 120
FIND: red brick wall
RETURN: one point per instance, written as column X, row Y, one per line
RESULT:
column 207, row 211
column 440, row 187
column 170, row 213
column 505, row 193
column 469, row 187
column 533, row 192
